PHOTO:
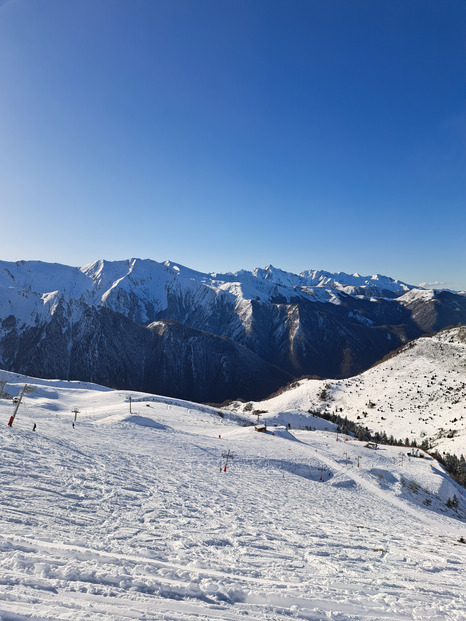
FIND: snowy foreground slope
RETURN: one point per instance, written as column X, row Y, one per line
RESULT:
column 418, row 394
column 131, row 516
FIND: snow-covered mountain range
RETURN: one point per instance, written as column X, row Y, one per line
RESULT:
column 168, row 329
column 149, row 280
column 135, row 514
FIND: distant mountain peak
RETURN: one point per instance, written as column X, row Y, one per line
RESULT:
column 92, row 322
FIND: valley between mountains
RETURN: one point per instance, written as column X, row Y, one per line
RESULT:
column 167, row 329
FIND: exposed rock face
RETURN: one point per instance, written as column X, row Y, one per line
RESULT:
column 206, row 337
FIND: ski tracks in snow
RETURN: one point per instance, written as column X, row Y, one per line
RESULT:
column 130, row 522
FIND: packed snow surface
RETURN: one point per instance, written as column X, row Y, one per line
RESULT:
column 130, row 514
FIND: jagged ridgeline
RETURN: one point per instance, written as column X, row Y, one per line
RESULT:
column 163, row 328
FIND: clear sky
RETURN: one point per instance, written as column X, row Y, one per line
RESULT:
column 229, row 134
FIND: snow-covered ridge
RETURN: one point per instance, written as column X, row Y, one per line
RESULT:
column 98, row 282
column 140, row 289
column 417, row 294
column 349, row 283
column 417, row 394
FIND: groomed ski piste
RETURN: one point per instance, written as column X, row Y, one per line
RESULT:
column 133, row 515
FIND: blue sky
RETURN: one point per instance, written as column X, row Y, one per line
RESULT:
column 229, row 134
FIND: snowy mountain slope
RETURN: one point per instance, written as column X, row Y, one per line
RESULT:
column 431, row 310
column 140, row 289
column 419, row 394
column 314, row 323
column 101, row 345
column 131, row 516
column 353, row 284
column 102, row 282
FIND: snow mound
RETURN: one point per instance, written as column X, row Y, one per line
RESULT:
column 144, row 421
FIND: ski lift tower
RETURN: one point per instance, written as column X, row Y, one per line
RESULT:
column 17, row 402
